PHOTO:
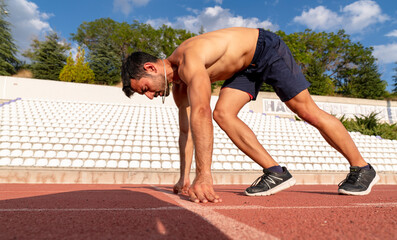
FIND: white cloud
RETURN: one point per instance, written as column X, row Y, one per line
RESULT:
column 354, row 18
column 213, row 18
column 319, row 18
column 386, row 53
column 392, row 34
column 126, row 6
column 359, row 15
column 27, row 22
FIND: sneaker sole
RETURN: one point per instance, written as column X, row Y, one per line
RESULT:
column 289, row 183
column 376, row 179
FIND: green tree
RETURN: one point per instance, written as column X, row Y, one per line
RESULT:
column 358, row 74
column 8, row 49
column 109, row 42
column 68, row 73
column 332, row 63
column 48, row 57
column 321, row 83
column 104, row 55
column 77, row 71
column 171, row 38
column 84, row 74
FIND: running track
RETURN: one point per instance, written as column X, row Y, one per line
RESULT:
column 52, row 211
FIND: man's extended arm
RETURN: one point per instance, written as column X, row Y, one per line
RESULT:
column 194, row 73
column 185, row 137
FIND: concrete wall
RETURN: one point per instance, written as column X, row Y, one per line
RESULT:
column 27, row 88
column 269, row 103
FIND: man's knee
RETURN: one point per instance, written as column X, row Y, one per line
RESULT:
column 310, row 117
column 221, row 116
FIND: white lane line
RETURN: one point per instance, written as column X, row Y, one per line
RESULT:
column 228, row 226
column 198, row 207
column 385, row 204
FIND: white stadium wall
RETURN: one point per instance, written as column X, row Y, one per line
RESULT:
column 27, row 88
column 268, row 103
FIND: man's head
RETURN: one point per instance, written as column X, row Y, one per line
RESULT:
column 140, row 73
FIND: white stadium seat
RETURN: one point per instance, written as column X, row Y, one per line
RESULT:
column 155, row 164
column 77, row 163
column 134, row 164
column 166, row 164
column 16, row 162
column 111, row 164
column 176, row 165
column 89, row 163
column 111, row 135
column 122, row 164
column 51, row 163
column 65, row 163
column 29, row 162
column 145, row 164
column 42, row 162
column 5, row 153
column 217, row 165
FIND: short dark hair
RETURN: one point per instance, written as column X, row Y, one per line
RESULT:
column 132, row 67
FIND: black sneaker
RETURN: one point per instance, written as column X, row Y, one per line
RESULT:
column 270, row 183
column 358, row 181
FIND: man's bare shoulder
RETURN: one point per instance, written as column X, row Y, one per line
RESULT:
column 219, row 39
column 220, row 53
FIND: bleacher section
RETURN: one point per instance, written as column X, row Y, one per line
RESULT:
column 58, row 134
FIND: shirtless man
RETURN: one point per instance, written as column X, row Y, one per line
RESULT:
column 246, row 58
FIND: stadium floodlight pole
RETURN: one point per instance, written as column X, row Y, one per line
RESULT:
column 166, row 83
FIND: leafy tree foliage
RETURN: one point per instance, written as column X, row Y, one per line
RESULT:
column 48, row 57
column 8, row 49
column 109, row 43
column 68, row 73
column 321, row 83
column 77, row 71
column 358, row 75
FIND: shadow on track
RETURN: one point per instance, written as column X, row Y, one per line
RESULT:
column 164, row 189
column 100, row 214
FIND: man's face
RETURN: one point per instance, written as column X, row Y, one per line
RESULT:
column 152, row 85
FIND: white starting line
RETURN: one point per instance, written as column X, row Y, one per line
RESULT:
column 197, row 207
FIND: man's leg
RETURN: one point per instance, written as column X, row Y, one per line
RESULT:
column 330, row 127
column 275, row 178
column 225, row 114
column 362, row 176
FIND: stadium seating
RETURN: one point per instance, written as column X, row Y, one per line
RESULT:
column 67, row 134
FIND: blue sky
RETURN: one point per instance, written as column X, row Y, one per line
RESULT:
column 373, row 23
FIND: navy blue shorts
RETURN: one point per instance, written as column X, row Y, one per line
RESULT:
column 273, row 64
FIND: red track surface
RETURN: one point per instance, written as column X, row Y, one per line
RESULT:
column 43, row 211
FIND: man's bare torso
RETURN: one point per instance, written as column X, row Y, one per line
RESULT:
column 223, row 52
